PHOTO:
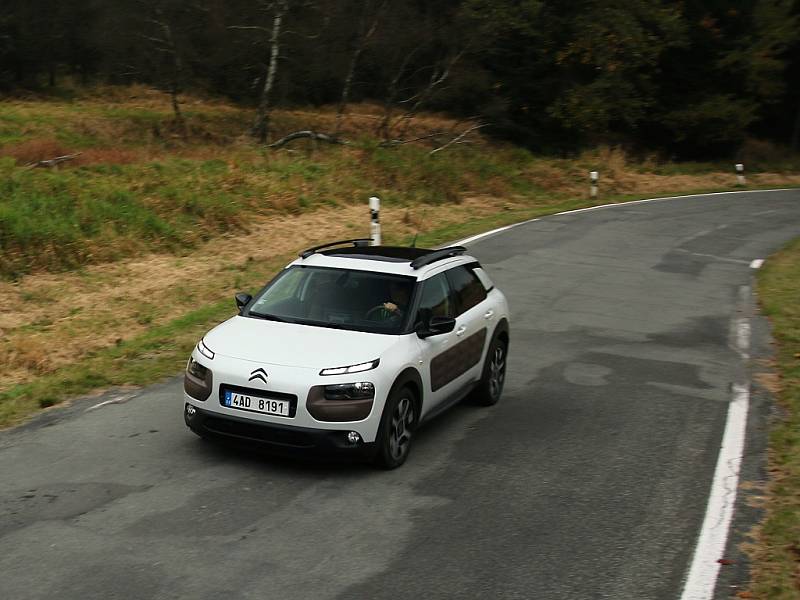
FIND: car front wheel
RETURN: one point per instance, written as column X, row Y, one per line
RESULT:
column 397, row 427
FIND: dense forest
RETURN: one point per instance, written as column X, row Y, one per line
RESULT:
column 692, row 78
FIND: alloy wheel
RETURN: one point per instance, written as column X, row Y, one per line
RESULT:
column 400, row 431
column 497, row 371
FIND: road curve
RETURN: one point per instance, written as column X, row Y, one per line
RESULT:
column 589, row 479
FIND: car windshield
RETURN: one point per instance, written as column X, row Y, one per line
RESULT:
column 338, row 298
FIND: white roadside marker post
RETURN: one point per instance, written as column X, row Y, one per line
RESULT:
column 740, row 174
column 593, row 175
column 375, row 220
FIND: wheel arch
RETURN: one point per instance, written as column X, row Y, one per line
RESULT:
column 410, row 377
column 502, row 332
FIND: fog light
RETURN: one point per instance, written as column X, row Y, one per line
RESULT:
column 190, row 410
column 353, row 437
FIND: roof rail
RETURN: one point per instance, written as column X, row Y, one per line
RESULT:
column 357, row 242
column 437, row 255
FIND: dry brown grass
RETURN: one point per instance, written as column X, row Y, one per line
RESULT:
column 34, row 150
column 110, row 156
column 38, row 149
column 30, row 354
column 552, row 177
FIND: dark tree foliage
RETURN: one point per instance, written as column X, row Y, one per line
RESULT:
column 693, row 78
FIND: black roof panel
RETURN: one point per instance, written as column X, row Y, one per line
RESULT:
column 383, row 253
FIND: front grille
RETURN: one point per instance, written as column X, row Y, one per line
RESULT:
column 268, row 394
column 260, row 433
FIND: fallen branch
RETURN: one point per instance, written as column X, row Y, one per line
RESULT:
column 53, row 162
column 392, row 143
column 458, row 139
column 319, row 137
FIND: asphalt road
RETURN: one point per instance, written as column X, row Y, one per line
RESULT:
column 588, row 480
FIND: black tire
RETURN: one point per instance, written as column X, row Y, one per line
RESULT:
column 490, row 387
column 397, row 428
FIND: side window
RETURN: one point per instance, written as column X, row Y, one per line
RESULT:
column 467, row 288
column 435, row 300
column 485, row 279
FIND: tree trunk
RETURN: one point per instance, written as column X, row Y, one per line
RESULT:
column 391, row 97
column 261, row 125
column 176, row 108
column 348, row 80
column 361, row 43
column 174, row 85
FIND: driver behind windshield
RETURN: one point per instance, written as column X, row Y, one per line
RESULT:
column 397, row 304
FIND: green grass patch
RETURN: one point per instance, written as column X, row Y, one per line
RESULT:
column 776, row 554
column 62, row 219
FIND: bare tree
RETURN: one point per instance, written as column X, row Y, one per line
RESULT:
column 365, row 32
column 278, row 9
column 163, row 42
column 393, row 92
column 440, row 72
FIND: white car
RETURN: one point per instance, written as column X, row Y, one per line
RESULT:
column 349, row 349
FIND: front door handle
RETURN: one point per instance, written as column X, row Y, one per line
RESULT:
column 460, row 331
column 488, row 314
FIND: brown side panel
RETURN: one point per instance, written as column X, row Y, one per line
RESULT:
column 457, row 360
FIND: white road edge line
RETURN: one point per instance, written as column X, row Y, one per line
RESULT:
column 702, row 579
column 479, row 236
column 756, row 264
column 475, row 238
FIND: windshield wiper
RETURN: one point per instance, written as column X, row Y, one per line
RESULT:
column 268, row 317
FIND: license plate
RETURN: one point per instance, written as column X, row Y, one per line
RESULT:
column 264, row 406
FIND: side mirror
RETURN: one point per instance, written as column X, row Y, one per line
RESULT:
column 242, row 300
column 436, row 326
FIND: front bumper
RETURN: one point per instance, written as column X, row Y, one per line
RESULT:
column 284, row 439
column 301, row 386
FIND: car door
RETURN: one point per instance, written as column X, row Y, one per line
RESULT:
column 436, row 301
column 473, row 320
column 452, row 359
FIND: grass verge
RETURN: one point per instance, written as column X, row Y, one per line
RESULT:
column 776, row 553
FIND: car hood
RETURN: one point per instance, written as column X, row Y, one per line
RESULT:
column 292, row 345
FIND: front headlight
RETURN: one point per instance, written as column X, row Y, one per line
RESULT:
column 362, row 390
column 196, row 369
column 359, row 368
column 197, row 381
column 205, row 350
